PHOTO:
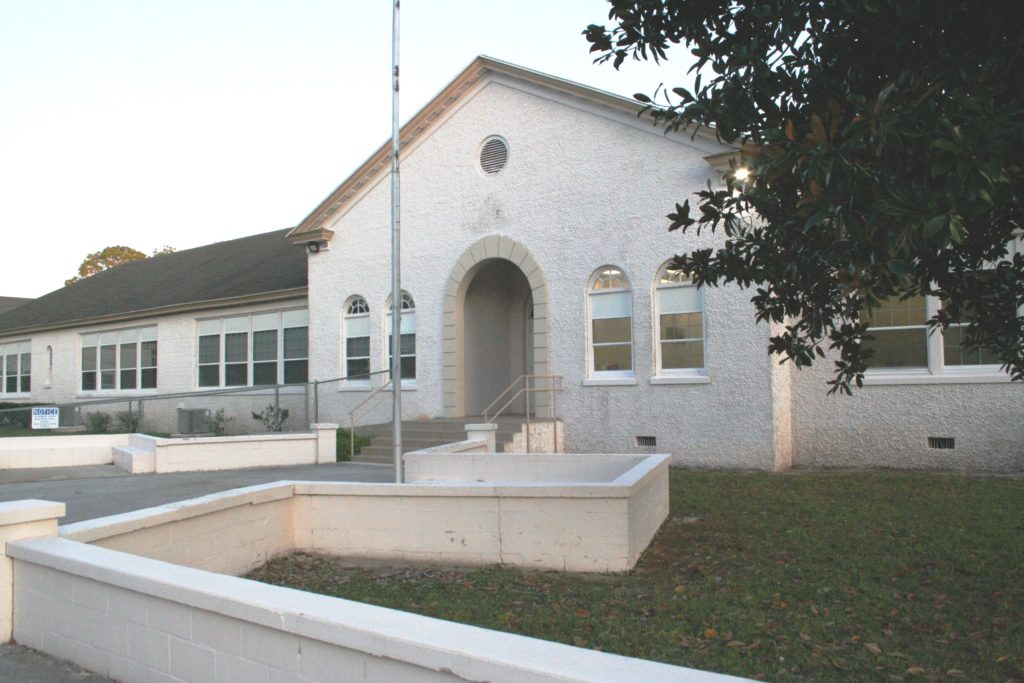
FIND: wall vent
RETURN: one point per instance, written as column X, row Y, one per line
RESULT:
column 493, row 155
column 646, row 441
column 941, row 442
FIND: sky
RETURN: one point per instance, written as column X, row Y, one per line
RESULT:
column 149, row 123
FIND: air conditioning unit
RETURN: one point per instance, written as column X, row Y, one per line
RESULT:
column 193, row 420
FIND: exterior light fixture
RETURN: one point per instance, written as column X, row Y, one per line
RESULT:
column 741, row 174
column 316, row 247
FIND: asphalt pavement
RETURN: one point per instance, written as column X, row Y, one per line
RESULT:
column 102, row 490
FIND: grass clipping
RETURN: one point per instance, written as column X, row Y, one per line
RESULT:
column 811, row 577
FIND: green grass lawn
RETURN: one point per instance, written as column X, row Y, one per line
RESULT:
column 800, row 577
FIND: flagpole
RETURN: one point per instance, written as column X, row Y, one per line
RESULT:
column 396, row 282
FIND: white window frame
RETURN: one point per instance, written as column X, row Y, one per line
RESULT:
column 678, row 375
column 608, row 377
column 937, row 372
column 18, row 350
column 408, row 304
column 121, row 336
column 356, row 312
column 249, row 323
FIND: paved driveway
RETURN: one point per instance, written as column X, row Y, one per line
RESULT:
column 105, row 490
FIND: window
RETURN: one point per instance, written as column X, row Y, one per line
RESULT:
column 119, row 360
column 679, row 322
column 254, row 350
column 357, row 341
column 610, row 329
column 16, row 368
column 407, row 348
column 902, row 342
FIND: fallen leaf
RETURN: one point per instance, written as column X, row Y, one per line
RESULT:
column 582, row 613
column 873, row 648
column 804, row 637
column 955, row 673
column 680, row 588
column 913, row 671
column 579, row 642
column 735, row 643
column 710, row 633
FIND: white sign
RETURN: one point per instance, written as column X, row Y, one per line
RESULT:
column 45, row 418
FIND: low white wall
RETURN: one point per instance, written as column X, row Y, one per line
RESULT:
column 234, row 452
column 70, row 450
column 519, row 467
column 137, row 619
column 231, row 533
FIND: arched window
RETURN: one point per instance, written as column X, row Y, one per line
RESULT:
column 356, row 362
column 679, row 322
column 610, row 325
column 407, row 348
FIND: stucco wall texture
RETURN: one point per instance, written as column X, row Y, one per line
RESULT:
column 583, row 188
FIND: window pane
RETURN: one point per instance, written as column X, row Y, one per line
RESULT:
column 128, row 357
column 296, row 318
column 898, row 348
column 128, row 379
column 895, row 313
column 613, row 357
column 264, row 373
column 108, row 357
column 148, row 354
column 409, row 367
column 107, row 379
column 357, row 327
column 12, row 384
column 956, row 354
column 357, row 367
column 357, row 347
column 264, row 345
column 611, row 305
column 149, row 378
column 88, row 358
column 407, row 344
column 296, row 342
column 89, row 381
column 680, row 300
column 209, row 376
column 11, row 363
column 209, row 349
column 236, row 347
column 295, row 371
column 236, row 375
column 26, row 363
column 611, row 330
column 26, row 383
column 681, row 355
column 682, row 326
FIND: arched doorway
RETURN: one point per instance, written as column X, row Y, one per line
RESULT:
column 495, row 325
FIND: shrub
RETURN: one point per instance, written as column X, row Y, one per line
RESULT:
column 127, row 421
column 97, row 423
column 272, row 418
column 219, row 422
column 343, row 452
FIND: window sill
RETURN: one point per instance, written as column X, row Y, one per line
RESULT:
column 900, row 378
column 114, row 393
column 15, row 396
column 681, row 379
column 354, row 386
column 290, row 389
column 610, row 382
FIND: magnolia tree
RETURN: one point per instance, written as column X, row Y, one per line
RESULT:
column 884, row 141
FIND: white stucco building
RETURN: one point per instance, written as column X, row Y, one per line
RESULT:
column 535, row 242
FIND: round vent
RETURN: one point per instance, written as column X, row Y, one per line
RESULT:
column 493, row 155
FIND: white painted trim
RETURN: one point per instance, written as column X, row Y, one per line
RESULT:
column 924, row 377
column 610, row 382
column 680, row 379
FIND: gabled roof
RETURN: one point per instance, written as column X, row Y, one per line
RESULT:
column 250, row 269
column 9, row 302
column 314, row 226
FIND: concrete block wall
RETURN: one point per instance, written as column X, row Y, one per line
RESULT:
column 68, row 450
column 230, row 533
column 497, row 467
column 235, row 452
column 136, row 619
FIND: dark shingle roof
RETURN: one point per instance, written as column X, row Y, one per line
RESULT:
column 9, row 302
column 248, row 266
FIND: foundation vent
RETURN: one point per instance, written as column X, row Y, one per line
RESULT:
column 646, row 441
column 941, row 442
column 493, row 155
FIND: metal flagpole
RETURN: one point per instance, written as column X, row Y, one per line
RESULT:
column 396, row 282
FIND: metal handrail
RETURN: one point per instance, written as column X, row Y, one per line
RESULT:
column 554, row 387
column 352, row 417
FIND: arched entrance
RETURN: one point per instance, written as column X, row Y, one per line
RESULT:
column 495, row 325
